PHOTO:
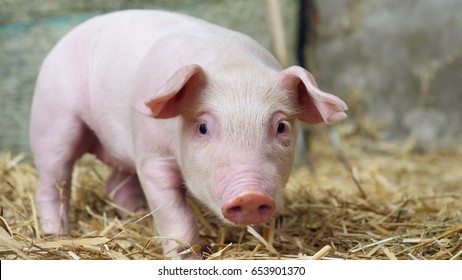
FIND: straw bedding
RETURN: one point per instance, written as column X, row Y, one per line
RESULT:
column 391, row 204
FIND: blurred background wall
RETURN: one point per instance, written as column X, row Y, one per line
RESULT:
column 396, row 63
column 399, row 62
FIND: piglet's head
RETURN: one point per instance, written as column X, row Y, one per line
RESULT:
column 237, row 132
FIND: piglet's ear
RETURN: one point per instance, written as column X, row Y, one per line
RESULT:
column 165, row 102
column 316, row 106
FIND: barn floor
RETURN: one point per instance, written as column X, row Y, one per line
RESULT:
column 394, row 203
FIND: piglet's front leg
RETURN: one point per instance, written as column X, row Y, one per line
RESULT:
column 173, row 218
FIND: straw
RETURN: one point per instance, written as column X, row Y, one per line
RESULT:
column 410, row 209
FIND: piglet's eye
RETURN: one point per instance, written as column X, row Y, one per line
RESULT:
column 203, row 128
column 282, row 127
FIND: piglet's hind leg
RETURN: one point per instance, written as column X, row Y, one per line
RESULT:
column 56, row 144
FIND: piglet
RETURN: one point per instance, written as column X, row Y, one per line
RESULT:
column 173, row 104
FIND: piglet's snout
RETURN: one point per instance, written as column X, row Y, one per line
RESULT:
column 249, row 207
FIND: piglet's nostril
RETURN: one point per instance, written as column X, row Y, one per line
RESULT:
column 236, row 210
column 264, row 209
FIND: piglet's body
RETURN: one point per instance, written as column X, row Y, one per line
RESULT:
column 172, row 103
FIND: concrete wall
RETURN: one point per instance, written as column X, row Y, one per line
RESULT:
column 402, row 57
